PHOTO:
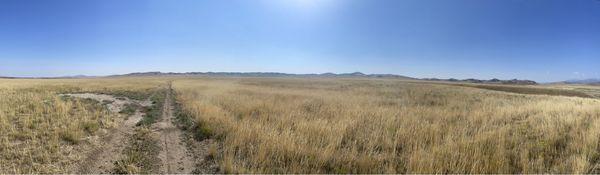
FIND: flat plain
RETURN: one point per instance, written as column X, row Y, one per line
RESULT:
column 295, row 125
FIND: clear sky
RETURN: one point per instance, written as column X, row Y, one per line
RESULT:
column 543, row 40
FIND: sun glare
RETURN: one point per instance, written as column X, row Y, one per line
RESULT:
column 306, row 7
column 305, row 3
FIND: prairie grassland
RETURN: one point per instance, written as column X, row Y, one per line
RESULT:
column 40, row 131
column 592, row 90
column 533, row 90
column 275, row 125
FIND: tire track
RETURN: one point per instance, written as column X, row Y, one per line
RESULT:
column 100, row 159
column 174, row 154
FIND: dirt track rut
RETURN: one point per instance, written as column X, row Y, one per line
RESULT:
column 179, row 152
column 174, row 154
column 109, row 148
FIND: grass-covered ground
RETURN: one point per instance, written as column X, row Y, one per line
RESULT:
column 277, row 125
column 41, row 132
column 311, row 125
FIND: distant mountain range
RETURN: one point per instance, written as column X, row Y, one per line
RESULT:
column 349, row 75
column 592, row 81
column 262, row 74
column 491, row 81
column 354, row 74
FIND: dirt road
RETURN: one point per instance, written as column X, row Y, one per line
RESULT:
column 174, row 154
column 181, row 153
column 178, row 152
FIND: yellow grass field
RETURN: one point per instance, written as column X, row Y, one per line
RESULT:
column 387, row 126
column 316, row 125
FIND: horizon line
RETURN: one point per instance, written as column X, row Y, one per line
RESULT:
column 259, row 72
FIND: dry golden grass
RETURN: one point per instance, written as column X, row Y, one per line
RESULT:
column 40, row 132
column 300, row 125
column 297, row 125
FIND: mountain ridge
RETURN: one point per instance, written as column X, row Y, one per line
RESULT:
column 490, row 81
column 316, row 75
column 328, row 74
column 263, row 74
column 589, row 81
column 279, row 74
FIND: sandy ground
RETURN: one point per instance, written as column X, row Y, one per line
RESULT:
column 109, row 148
column 116, row 105
column 101, row 159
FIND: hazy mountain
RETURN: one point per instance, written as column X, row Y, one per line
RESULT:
column 594, row 81
column 491, row 81
column 266, row 74
column 328, row 74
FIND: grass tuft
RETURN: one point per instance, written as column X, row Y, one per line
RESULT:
column 141, row 154
column 153, row 113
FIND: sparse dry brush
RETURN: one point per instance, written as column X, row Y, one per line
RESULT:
column 387, row 126
column 40, row 131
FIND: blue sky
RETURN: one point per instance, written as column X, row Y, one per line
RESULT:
column 543, row 40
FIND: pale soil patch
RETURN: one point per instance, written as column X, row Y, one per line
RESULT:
column 115, row 105
column 106, row 149
column 178, row 153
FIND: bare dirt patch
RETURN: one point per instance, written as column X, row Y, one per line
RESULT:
column 114, row 104
column 105, row 150
column 177, row 151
